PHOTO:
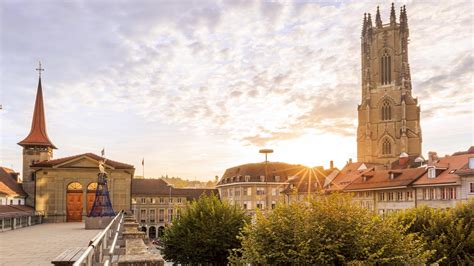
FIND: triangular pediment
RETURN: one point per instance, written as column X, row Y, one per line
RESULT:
column 82, row 162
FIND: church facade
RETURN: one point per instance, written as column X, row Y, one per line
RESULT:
column 389, row 115
column 63, row 189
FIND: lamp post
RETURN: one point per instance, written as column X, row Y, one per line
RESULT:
column 266, row 152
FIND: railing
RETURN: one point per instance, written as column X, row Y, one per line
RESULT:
column 99, row 251
column 15, row 220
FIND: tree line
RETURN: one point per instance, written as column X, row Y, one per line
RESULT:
column 328, row 230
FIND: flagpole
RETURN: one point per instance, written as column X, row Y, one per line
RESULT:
column 143, row 167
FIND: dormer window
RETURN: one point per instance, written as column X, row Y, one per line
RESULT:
column 237, row 179
column 471, row 163
column 431, row 172
column 247, row 178
column 262, row 178
column 392, row 176
column 277, row 178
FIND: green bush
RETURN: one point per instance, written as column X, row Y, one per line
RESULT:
column 448, row 232
column 206, row 232
column 331, row 230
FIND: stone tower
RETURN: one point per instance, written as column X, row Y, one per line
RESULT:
column 36, row 146
column 389, row 116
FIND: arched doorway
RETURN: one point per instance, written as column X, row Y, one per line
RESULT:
column 161, row 231
column 143, row 229
column 152, row 232
column 74, row 202
column 91, row 189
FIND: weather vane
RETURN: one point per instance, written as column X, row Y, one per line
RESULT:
column 39, row 69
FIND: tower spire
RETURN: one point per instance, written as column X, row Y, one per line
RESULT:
column 378, row 19
column 364, row 25
column 392, row 15
column 38, row 135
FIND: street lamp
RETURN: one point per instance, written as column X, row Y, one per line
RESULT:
column 266, row 152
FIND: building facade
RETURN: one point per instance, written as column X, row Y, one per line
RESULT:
column 155, row 203
column 11, row 192
column 389, row 115
column 263, row 185
column 64, row 189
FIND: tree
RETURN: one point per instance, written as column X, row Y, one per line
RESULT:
column 206, row 232
column 450, row 233
column 329, row 230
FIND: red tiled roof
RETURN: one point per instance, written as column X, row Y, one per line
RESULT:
column 8, row 185
column 347, row 175
column 159, row 187
column 38, row 135
column 447, row 175
column 313, row 180
column 51, row 163
column 381, row 179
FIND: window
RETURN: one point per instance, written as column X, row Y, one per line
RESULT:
column 142, row 216
column 170, row 200
column 143, row 200
column 386, row 111
column 260, row 191
column 170, row 215
column 11, row 202
column 471, row 187
column 390, row 196
column 273, row 204
column 245, row 205
column 452, row 193
column 409, row 195
column 386, row 147
column 431, row 172
column 179, row 200
column 385, row 69
column 367, row 193
column 153, row 200
column 178, row 213
column 161, row 215
column 162, row 200
column 260, row 205
column 399, row 196
column 432, row 194
column 277, row 178
column 274, row 191
column 152, row 215
column 247, row 178
column 381, row 196
column 134, row 201
column 262, row 178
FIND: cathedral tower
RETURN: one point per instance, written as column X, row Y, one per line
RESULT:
column 389, row 116
column 36, row 146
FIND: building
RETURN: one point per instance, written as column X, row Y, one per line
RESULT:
column 307, row 186
column 155, row 203
column 389, row 115
column 260, row 185
column 447, row 181
column 63, row 189
column 11, row 192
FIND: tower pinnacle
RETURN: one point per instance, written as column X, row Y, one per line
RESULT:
column 378, row 20
column 392, row 15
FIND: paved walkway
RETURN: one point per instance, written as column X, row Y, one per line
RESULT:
column 39, row 244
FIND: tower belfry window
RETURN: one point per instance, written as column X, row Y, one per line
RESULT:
column 386, row 111
column 385, row 69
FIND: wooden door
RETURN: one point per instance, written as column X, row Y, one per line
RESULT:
column 74, row 206
column 90, row 201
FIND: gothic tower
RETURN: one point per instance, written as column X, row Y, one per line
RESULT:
column 36, row 146
column 389, row 116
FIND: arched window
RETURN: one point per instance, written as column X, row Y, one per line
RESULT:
column 92, row 186
column 385, row 69
column 386, row 147
column 386, row 111
column 74, row 186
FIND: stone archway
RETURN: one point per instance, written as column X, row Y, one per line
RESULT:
column 161, row 231
column 91, row 190
column 152, row 232
column 74, row 202
column 143, row 229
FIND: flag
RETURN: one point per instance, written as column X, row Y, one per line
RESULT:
column 143, row 161
column 102, row 152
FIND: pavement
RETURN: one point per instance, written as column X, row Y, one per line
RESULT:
column 40, row 244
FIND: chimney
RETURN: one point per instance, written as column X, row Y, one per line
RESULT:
column 432, row 157
column 350, row 160
column 403, row 159
column 331, row 164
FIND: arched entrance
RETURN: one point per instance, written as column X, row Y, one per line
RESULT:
column 152, row 232
column 74, row 202
column 143, row 229
column 161, row 231
column 91, row 189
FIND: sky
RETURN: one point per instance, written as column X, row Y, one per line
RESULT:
column 195, row 87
